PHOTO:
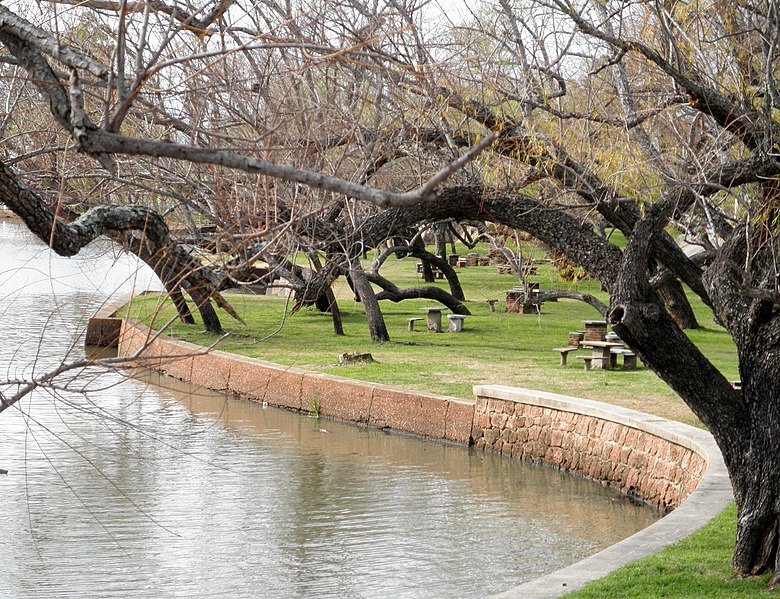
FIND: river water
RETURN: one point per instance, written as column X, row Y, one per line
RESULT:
column 147, row 487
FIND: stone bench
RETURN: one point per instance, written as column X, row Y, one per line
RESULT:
column 564, row 351
column 411, row 322
column 455, row 322
column 629, row 358
column 588, row 360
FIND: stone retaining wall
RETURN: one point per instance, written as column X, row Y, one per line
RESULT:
column 567, row 433
column 639, row 463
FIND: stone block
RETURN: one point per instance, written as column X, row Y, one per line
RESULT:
column 408, row 411
column 498, row 420
column 491, row 435
column 211, row 370
column 482, row 420
column 495, row 405
column 103, row 332
column 458, row 423
column 337, row 397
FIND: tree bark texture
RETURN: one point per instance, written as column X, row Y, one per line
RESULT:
column 673, row 296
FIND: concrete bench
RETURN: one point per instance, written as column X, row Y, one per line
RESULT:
column 411, row 322
column 564, row 351
column 629, row 358
column 588, row 360
column 492, row 304
column 455, row 322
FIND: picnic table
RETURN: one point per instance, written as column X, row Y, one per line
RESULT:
column 600, row 353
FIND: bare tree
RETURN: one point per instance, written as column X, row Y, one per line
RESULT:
column 331, row 129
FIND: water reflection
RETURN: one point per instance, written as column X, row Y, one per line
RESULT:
column 148, row 487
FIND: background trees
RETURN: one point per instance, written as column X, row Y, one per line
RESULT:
column 328, row 128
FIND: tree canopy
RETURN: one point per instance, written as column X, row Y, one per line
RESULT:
column 330, row 127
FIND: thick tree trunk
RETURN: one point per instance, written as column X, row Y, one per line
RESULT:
column 427, row 272
column 362, row 287
column 755, row 471
column 170, row 262
column 673, row 296
column 177, row 297
column 441, row 240
column 177, row 270
column 390, row 291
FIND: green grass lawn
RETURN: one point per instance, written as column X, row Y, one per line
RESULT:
column 494, row 348
column 697, row 566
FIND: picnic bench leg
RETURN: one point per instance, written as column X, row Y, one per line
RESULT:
column 564, row 356
column 434, row 322
column 601, row 358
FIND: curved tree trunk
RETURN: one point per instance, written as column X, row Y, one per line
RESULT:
column 418, row 251
column 177, row 270
column 362, row 287
column 390, row 291
column 177, row 297
column 171, row 263
column 591, row 300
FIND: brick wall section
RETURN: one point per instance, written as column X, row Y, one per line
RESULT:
column 652, row 468
column 516, row 423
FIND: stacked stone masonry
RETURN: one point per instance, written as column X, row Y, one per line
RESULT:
column 654, row 469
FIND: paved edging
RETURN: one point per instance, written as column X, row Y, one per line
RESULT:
column 712, row 495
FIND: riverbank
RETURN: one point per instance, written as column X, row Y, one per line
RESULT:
column 461, row 421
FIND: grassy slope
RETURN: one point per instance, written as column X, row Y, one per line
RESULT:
column 495, row 347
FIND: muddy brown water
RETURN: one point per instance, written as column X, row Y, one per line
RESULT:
column 147, row 487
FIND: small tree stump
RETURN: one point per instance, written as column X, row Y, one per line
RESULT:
column 354, row 358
